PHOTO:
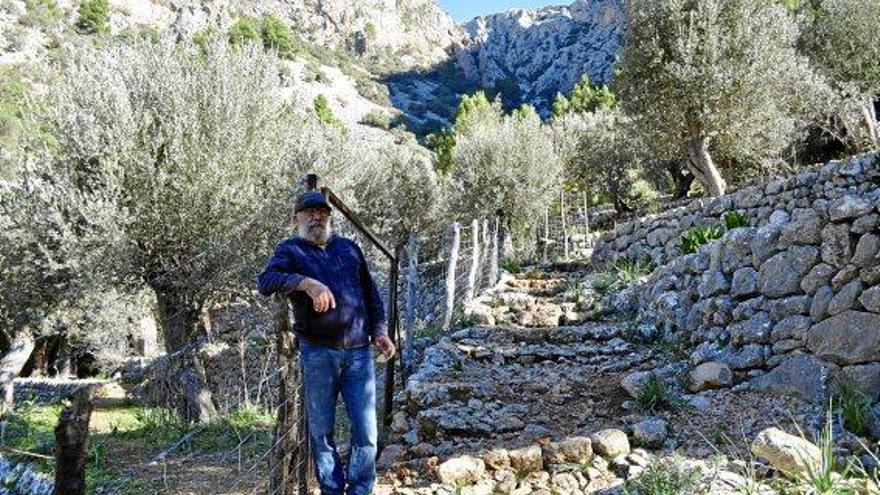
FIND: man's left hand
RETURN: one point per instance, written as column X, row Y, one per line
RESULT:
column 383, row 342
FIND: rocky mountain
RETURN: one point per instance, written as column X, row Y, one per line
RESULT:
column 524, row 56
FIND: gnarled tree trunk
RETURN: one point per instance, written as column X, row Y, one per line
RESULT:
column 179, row 319
column 870, row 118
column 703, row 167
column 11, row 364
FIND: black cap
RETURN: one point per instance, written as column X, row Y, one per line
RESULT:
column 311, row 199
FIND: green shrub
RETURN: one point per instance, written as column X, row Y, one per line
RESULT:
column 653, row 395
column 276, row 34
column 244, row 30
column 630, row 270
column 204, row 36
column 605, row 282
column 94, row 17
column 665, row 477
column 511, row 266
column 698, row 236
column 377, row 118
column 735, row 219
column 40, row 13
column 854, row 408
column 324, row 113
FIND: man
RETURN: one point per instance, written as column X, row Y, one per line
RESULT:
column 337, row 312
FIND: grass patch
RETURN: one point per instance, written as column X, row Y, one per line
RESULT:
column 699, row 236
column 665, row 477
column 653, row 395
column 735, row 220
column 511, row 266
column 623, row 273
column 853, row 408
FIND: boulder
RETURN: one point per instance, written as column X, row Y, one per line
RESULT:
column 817, row 277
column 527, row 459
column 635, row 381
column 781, row 275
column 755, row 330
column 846, row 298
column 610, row 443
column 710, row 375
column 870, row 299
column 497, row 459
column 866, row 251
column 573, row 450
column 849, row 206
column 745, row 282
column 788, row 453
column 799, row 375
column 464, row 470
column 650, row 432
column 851, row 337
column 821, row 300
column 836, row 244
column 791, row 327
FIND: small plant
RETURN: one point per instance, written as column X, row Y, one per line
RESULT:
column 605, row 282
column 666, row 477
column 377, row 118
column 511, row 266
column 629, row 270
column 653, row 395
column 204, row 36
column 324, row 113
column 699, row 236
column 824, row 478
column 41, row 13
column 853, row 408
column 735, row 219
column 245, row 30
column 94, row 17
column 276, row 34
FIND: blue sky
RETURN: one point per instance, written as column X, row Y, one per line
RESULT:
column 465, row 10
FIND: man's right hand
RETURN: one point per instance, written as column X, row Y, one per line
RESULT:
column 322, row 298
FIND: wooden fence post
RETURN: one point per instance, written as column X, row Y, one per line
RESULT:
column 289, row 460
column 493, row 256
column 586, row 221
column 475, row 261
column 412, row 302
column 545, row 242
column 564, row 230
column 484, row 259
column 72, row 443
column 450, row 275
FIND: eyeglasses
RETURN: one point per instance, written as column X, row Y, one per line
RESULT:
column 316, row 212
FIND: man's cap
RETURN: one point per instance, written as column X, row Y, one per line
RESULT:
column 311, row 199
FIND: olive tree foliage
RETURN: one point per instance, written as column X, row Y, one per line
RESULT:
column 713, row 78
column 191, row 147
column 504, row 164
column 842, row 40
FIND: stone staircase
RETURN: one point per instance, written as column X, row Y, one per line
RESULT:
column 532, row 371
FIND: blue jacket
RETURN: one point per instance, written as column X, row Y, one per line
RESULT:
column 340, row 265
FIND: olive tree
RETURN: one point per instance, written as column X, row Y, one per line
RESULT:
column 843, row 42
column 504, row 164
column 191, row 148
column 713, row 78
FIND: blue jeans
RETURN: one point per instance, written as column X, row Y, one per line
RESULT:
column 327, row 372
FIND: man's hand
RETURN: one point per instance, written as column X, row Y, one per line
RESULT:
column 386, row 346
column 322, row 298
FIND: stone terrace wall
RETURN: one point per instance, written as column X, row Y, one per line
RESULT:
column 790, row 305
column 659, row 236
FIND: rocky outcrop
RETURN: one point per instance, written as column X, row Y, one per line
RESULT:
column 540, row 53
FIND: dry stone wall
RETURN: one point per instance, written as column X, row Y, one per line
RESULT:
column 659, row 236
column 790, row 304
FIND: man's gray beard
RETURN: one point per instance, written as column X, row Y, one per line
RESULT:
column 317, row 234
